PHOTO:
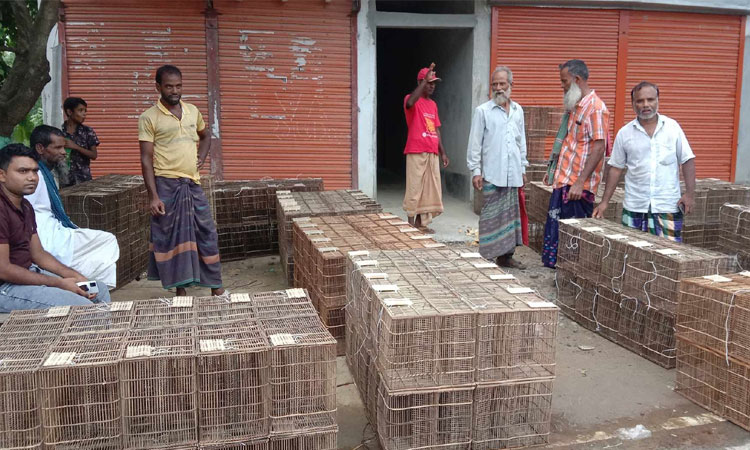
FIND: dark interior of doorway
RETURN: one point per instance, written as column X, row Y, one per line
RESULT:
column 401, row 53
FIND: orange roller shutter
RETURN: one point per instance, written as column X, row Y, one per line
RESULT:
column 534, row 41
column 693, row 58
column 113, row 51
column 286, row 89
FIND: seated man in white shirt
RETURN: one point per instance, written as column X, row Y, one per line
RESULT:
column 93, row 253
column 653, row 147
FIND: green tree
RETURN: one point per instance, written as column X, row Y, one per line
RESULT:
column 24, row 68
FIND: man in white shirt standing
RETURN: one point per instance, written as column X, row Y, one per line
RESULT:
column 496, row 156
column 653, row 147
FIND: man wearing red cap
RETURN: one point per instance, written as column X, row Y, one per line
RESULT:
column 423, row 199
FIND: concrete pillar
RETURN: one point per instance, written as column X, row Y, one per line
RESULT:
column 52, row 112
column 366, row 98
column 742, row 168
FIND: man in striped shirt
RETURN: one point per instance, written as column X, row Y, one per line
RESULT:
column 579, row 164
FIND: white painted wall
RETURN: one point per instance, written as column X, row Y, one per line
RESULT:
column 52, row 112
column 366, row 99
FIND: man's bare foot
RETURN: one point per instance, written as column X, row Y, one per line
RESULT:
column 426, row 230
column 510, row 263
column 181, row 292
column 217, row 291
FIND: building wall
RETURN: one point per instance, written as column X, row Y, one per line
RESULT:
column 742, row 167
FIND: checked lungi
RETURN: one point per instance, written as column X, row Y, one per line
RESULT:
column 500, row 229
column 184, row 247
column 668, row 225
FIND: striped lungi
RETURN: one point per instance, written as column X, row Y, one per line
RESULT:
column 500, row 229
column 184, row 244
column 668, row 225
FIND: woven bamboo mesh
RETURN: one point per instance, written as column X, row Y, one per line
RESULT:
column 174, row 374
column 80, row 392
column 320, row 259
column 245, row 213
column 100, row 317
column 233, row 385
column 257, row 444
column 220, row 310
column 158, row 379
column 702, row 227
column 734, row 236
column 164, row 312
column 512, row 415
column 298, row 206
column 432, row 419
column 323, row 439
column 541, row 123
column 117, row 204
column 625, row 284
column 20, row 427
column 425, row 328
column 302, row 374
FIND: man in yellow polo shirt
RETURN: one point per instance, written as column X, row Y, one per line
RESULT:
column 174, row 145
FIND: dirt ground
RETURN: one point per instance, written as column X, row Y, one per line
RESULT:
column 598, row 391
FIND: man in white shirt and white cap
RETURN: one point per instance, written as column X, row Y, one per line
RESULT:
column 653, row 147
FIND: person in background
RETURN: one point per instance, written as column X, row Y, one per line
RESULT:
column 30, row 277
column 423, row 199
column 80, row 139
column 93, row 253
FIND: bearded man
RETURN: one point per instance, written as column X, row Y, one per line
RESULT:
column 653, row 202
column 577, row 155
column 496, row 157
column 92, row 253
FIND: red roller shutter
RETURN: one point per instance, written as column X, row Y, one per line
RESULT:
column 113, row 50
column 534, row 41
column 694, row 59
column 286, row 89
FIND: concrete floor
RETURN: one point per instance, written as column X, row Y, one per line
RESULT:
column 596, row 393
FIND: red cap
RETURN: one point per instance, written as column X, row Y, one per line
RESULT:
column 423, row 73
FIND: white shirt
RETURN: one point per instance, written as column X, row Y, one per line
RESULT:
column 55, row 238
column 653, row 176
column 497, row 144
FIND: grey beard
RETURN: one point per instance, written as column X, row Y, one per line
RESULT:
column 572, row 97
column 500, row 98
column 61, row 171
column 648, row 116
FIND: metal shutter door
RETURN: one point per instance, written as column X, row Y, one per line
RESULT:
column 113, row 50
column 286, row 89
column 694, row 60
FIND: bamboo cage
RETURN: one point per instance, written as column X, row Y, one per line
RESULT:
column 298, row 206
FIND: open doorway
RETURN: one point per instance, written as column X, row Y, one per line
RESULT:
column 400, row 55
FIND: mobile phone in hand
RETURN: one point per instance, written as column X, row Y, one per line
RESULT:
column 88, row 287
column 681, row 206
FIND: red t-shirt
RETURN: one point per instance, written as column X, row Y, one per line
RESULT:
column 423, row 122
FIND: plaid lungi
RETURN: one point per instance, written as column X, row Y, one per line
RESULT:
column 668, row 225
